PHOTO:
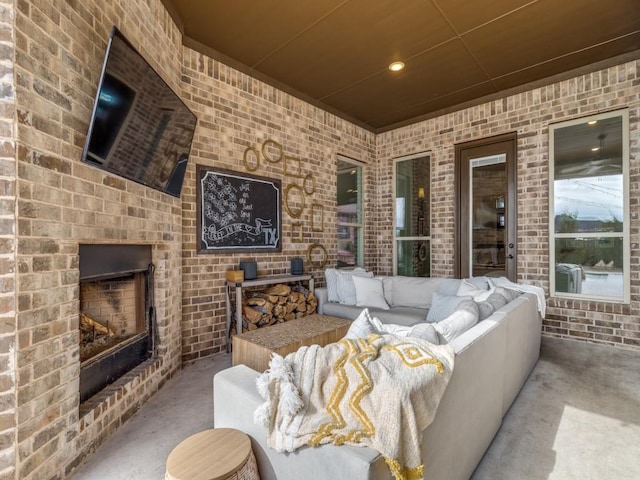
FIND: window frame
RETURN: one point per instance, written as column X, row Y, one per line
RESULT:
column 359, row 225
column 626, row 217
column 397, row 239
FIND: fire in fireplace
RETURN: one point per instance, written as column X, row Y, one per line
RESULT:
column 117, row 330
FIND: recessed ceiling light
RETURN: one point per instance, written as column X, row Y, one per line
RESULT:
column 592, row 122
column 595, row 149
column 396, row 66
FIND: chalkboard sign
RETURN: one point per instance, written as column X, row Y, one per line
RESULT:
column 237, row 212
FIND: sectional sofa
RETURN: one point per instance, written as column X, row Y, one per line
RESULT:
column 492, row 361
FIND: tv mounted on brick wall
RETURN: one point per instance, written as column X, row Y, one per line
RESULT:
column 140, row 129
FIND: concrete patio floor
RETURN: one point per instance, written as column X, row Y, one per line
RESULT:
column 577, row 417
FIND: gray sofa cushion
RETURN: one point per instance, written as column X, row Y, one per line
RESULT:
column 344, row 311
column 409, row 291
column 398, row 315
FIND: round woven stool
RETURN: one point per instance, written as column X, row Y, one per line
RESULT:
column 216, row 454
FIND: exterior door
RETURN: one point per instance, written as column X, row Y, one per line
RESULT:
column 486, row 209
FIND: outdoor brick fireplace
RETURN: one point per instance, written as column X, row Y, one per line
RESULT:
column 116, row 313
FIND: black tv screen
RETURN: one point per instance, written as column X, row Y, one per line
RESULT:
column 140, row 129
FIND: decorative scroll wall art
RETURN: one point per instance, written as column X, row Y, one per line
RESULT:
column 237, row 212
column 300, row 186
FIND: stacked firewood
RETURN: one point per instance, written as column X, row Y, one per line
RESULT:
column 276, row 304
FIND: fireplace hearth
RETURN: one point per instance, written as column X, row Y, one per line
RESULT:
column 117, row 324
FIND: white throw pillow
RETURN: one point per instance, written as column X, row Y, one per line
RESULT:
column 361, row 326
column 468, row 288
column 462, row 319
column 369, row 292
column 365, row 325
column 346, row 287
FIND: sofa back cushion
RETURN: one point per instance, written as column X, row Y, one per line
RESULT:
column 410, row 291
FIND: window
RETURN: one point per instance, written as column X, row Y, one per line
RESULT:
column 412, row 219
column 589, row 211
column 350, row 239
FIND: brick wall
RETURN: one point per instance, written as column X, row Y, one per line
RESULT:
column 7, row 247
column 236, row 112
column 62, row 202
column 529, row 114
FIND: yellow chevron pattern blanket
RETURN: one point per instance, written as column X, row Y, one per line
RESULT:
column 381, row 391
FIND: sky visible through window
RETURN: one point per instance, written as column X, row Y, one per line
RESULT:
column 590, row 198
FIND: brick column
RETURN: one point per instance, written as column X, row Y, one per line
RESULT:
column 7, row 246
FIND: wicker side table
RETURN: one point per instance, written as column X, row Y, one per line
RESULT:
column 215, row 454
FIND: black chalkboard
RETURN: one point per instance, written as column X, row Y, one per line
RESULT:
column 237, row 212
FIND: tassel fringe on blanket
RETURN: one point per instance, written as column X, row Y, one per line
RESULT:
column 381, row 391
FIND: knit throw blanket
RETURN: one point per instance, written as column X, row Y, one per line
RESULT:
column 381, row 391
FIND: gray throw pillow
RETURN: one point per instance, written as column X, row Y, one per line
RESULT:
column 462, row 319
column 443, row 305
column 346, row 287
column 497, row 300
column 508, row 293
column 331, row 277
column 425, row 331
column 485, row 309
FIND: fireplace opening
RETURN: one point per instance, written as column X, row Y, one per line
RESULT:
column 117, row 324
column 111, row 312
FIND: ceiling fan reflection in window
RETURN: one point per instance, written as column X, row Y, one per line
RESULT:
column 599, row 165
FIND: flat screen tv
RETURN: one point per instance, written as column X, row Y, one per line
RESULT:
column 140, row 129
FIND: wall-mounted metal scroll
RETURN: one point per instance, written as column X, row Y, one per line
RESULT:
column 317, row 217
column 272, row 151
column 297, row 232
column 309, row 184
column 289, row 200
column 251, row 159
column 237, row 212
column 292, row 167
column 317, row 255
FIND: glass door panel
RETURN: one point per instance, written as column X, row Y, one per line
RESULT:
column 486, row 208
column 488, row 234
